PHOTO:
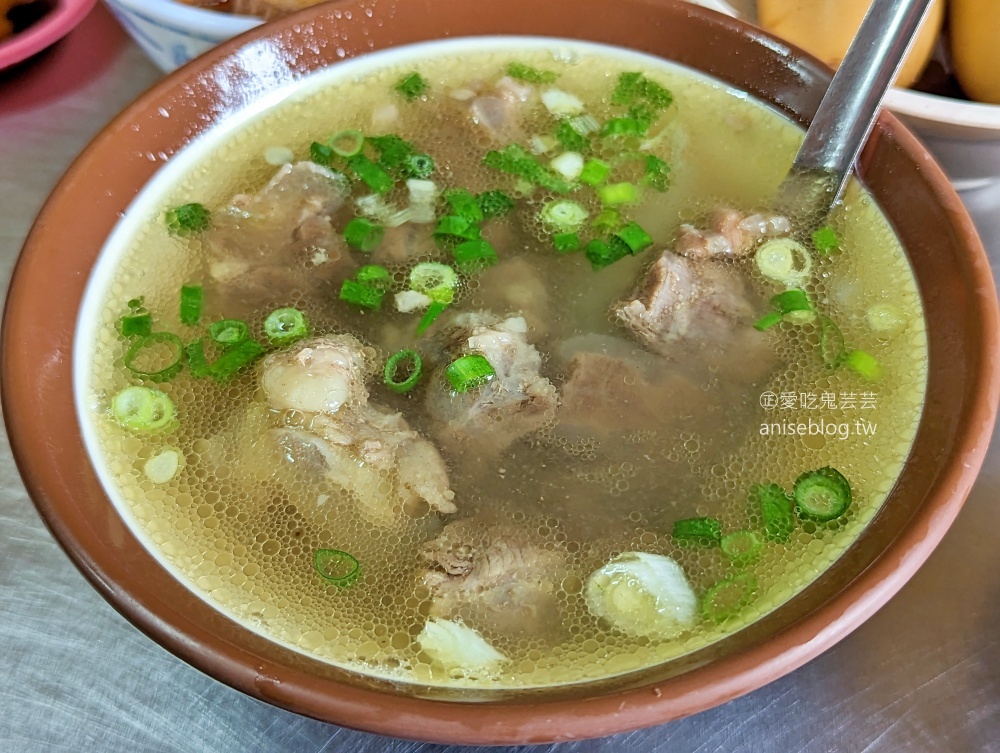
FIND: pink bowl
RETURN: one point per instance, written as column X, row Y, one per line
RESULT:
column 56, row 24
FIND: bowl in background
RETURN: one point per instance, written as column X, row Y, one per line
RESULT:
column 49, row 281
column 173, row 33
column 64, row 16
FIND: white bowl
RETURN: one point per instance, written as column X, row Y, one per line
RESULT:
column 172, row 33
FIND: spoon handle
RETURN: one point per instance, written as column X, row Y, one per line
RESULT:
column 848, row 110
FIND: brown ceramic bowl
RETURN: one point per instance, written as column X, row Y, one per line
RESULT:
column 950, row 264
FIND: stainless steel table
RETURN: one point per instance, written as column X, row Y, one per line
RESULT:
column 922, row 675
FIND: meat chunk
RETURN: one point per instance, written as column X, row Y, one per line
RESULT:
column 356, row 444
column 515, row 285
column 280, row 239
column 493, row 575
column 730, row 233
column 404, row 243
column 498, row 110
column 517, row 401
column 685, row 300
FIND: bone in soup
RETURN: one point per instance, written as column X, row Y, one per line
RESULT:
column 494, row 369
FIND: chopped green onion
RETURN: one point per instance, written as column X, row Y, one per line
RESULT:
column 371, row 174
column 412, row 86
column 363, row 234
column 340, row 568
column 657, row 174
column 633, row 236
column 791, row 300
column 374, row 275
column 321, row 154
column 347, row 143
column 156, row 357
column 235, row 358
column 825, row 240
column 831, row 343
column 625, row 127
column 524, row 72
column 742, row 547
column 775, row 509
column 405, row 361
column 633, row 86
column 437, row 281
column 564, row 215
column 393, row 150
column 767, row 321
column 864, row 364
column 142, row 409
column 569, row 138
column 135, row 324
column 452, row 229
column 618, row 193
column 703, row 531
column 284, row 326
column 784, row 260
column 464, row 204
column 228, row 331
column 494, row 204
column 362, row 295
column 726, row 598
column 594, row 172
column 514, row 160
column 418, row 166
column 609, row 219
column 195, row 353
column 468, row 372
column 472, row 256
column 433, row 312
column 566, row 242
column 886, row 320
column 822, row 495
column 192, row 297
column 600, row 253
column 188, row 218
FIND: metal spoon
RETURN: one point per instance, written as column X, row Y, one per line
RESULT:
column 848, row 110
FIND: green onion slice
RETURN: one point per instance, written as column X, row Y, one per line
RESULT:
column 337, row 567
column 433, row 312
column 657, row 175
column 767, row 321
column 463, row 204
column 602, row 253
column 831, row 343
column 702, row 531
column 618, row 193
column 437, row 281
column 156, row 357
column 790, row 301
column 784, row 260
column 375, row 276
column 131, row 325
column 452, row 229
column 570, row 139
column 594, row 172
column 412, row 86
column 321, row 154
column 363, row 235
column 470, row 371
column 728, row 597
column 775, row 509
column 228, row 331
column 347, row 143
column 234, row 359
column 286, row 325
column 402, row 371
column 192, row 297
column 633, row 86
column 825, row 240
column 741, row 547
column 418, row 166
column 564, row 215
column 608, row 220
column 633, row 236
column 886, row 320
column 494, row 204
column 864, row 364
column 371, row 174
column 473, row 256
column 362, row 295
column 625, row 127
column 523, row 72
column 822, row 495
column 188, row 218
column 142, row 409
column 566, row 242
column 514, row 160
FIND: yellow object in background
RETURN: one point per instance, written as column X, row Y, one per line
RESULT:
column 826, row 27
column 975, row 47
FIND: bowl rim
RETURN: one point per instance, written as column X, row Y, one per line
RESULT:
column 944, row 110
column 499, row 723
column 53, row 26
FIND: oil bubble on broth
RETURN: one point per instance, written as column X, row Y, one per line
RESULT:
column 592, row 501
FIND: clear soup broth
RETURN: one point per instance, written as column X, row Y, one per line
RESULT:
column 648, row 410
